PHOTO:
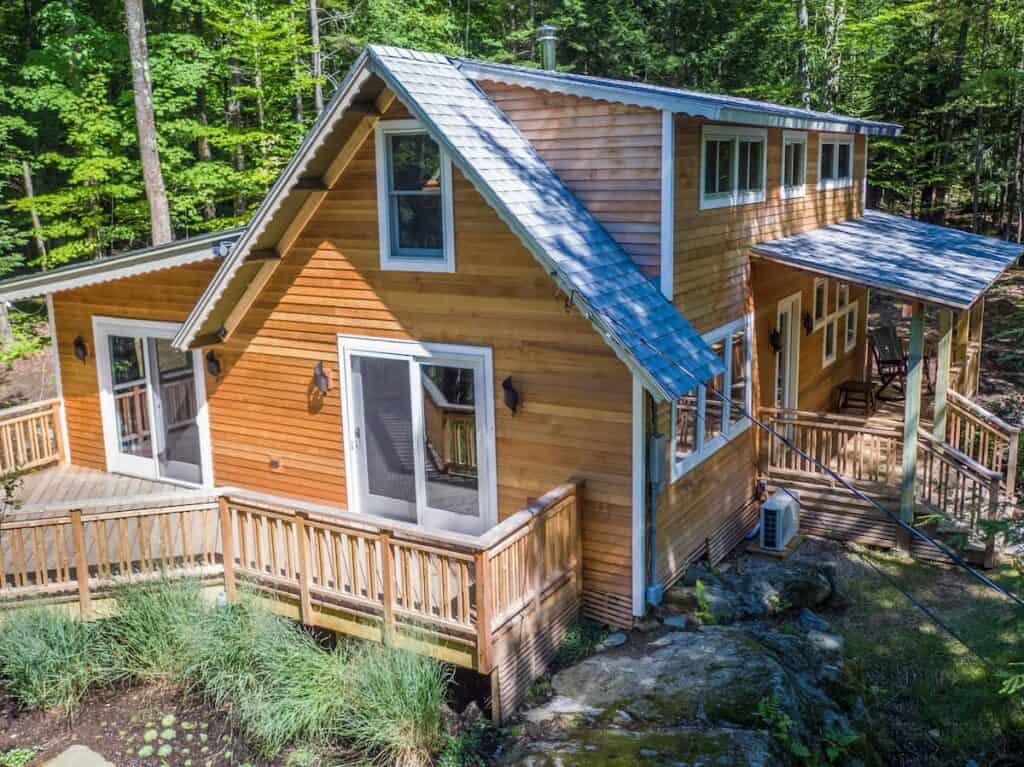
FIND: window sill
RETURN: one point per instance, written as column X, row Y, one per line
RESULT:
column 836, row 183
column 792, row 192
column 681, row 467
column 405, row 264
column 731, row 200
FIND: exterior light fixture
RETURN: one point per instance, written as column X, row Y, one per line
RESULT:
column 808, row 323
column 212, row 364
column 775, row 340
column 510, row 395
column 321, row 378
column 81, row 350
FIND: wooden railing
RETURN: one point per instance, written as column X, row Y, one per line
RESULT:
column 395, row 581
column 451, row 431
column 30, row 436
column 987, row 439
column 948, row 482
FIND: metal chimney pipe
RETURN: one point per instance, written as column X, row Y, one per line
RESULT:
column 547, row 40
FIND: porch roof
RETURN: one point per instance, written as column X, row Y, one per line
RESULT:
column 912, row 259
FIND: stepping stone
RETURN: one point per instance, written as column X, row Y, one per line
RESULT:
column 676, row 621
column 78, row 756
column 613, row 640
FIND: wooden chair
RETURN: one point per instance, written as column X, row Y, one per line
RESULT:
column 891, row 361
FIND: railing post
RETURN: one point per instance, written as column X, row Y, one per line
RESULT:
column 81, row 563
column 305, row 576
column 994, row 489
column 577, row 535
column 227, row 548
column 912, row 414
column 538, row 573
column 58, row 430
column 1011, row 464
column 483, row 613
column 942, row 373
column 387, row 568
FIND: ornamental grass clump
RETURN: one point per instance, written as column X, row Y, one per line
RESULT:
column 50, row 660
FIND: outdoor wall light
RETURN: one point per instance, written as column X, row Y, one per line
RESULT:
column 775, row 340
column 510, row 395
column 808, row 323
column 81, row 350
column 321, row 378
column 212, row 364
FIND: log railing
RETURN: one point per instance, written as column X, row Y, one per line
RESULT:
column 987, row 439
column 949, row 483
column 396, row 579
column 30, row 436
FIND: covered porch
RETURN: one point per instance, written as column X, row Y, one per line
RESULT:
column 915, row 441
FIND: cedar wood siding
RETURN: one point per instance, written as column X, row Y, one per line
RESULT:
column 166, row 295
column 608, row 154
column 575, row 410
column 714, row 284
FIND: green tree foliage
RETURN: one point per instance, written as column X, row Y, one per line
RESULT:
column 233, row 93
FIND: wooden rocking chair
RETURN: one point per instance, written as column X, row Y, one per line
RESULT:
column 891, row 362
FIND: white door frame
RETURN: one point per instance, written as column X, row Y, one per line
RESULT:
column 478, row 358
column 117, row 462
column 793, row 305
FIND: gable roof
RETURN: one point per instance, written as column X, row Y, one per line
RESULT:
column 639, row 323
column 942, row 266
column 713, row 106
column 128, row 264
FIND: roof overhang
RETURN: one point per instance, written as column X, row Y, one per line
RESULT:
column 129, row 264
column 911, row 259
column 716, row 107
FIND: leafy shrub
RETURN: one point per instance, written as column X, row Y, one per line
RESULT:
column 49, row 659
column 17, row 757
column 580, row 642
column 470, row 747
column 394, row 711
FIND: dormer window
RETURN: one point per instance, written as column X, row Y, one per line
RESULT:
column 733, row 163
column 835, row 161
column 414, row 199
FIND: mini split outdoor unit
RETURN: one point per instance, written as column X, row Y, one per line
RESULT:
column 780, row 519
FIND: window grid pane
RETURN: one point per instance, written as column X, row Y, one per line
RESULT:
column 737, row 377
column 414, row 162
column 828, row 154
column 844, row 161
column 725, row 171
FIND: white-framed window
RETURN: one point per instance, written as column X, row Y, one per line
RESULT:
column 820, row 303
column 794, row 163
column 850, row 330
column 733, row 165
column 828, row 341
column 701, row 421
column 842, row 295
column 835, row 161
column 414, row 199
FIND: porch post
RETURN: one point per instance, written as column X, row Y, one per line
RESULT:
column 912, row 414
column 942, row 371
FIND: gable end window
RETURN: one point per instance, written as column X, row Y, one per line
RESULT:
column 835, row 161
column 414, row 199
column 733, row 165
column 701, row 421
column 794, row 163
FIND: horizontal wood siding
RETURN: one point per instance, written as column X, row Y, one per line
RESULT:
column 166, row 295
column 272, row 433
column 713, row 286
column 608, row 154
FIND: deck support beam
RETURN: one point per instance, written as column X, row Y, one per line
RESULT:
column 912, row 413
column 942, row 365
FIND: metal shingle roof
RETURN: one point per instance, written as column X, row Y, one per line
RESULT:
column 648, row 331
column 913, row 259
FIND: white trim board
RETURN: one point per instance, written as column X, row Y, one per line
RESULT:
column 667, row 219
column 639, row 502
column 58, row 376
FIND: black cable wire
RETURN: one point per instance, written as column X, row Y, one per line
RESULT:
column 941, row 547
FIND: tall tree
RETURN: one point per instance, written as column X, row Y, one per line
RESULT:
column 318, row 73
column 145, row 121
column 803, row 65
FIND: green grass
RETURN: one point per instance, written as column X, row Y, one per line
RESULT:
column 581, row 640
column 917, row 679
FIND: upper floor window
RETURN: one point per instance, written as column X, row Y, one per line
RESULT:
column 414, row 199
column 702, row 421
column 820, row 301
column 835, row 161
column 794, row 163
column 733, row 166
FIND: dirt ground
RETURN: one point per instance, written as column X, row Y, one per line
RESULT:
column 28, row 380
column 140, row 727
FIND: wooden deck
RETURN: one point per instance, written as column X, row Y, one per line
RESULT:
column 60, row 487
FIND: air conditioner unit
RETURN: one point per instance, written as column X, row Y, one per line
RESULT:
column 780, row 519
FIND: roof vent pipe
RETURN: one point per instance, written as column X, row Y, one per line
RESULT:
column 547, row 40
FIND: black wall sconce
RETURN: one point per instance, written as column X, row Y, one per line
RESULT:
column 212, row 364
column 510, row 395
column 81, row 350
column 775, row 340
column 321, row 378
column 808, row 323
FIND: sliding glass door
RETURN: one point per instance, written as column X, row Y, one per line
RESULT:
column 152, row 400
column 419, row 433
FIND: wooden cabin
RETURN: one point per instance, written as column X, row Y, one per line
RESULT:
column 486, row 357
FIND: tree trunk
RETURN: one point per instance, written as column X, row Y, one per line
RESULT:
column 203, row 150
column 978, row 115
column 156, row 193
column 949, row 123
column 37, row 227
column 835, row 17
column 233, row 118
column 314, row 34
column 1020, row 163
column 803, row 65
